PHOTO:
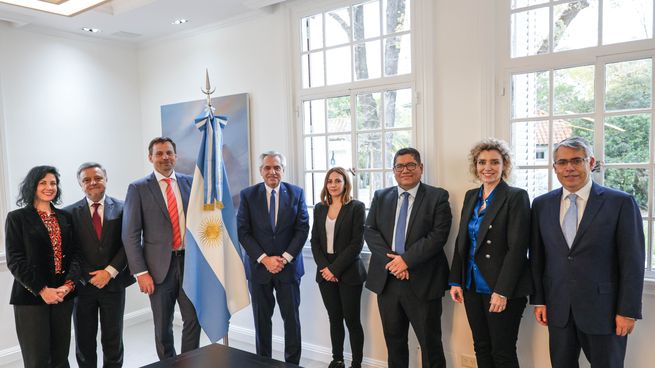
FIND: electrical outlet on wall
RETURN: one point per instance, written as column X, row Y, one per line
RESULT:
column 468, row 361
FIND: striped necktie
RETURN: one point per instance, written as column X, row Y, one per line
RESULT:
column 172, row 212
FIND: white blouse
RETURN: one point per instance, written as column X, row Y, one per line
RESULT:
column 329, row 231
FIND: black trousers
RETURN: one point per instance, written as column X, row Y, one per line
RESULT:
column 263, row 304
column 44, row 334
column 602, row 351
column 162, row 302
column 399, row 307
column 494, row 334
column 343, row 302
column 90, row 303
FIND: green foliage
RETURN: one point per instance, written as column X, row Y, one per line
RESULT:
column 627, row 137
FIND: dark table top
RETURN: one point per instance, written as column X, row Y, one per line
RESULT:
column 216, row 355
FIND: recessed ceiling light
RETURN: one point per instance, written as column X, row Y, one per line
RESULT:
column 67, row 8
column 92, row 30
column 180, row 21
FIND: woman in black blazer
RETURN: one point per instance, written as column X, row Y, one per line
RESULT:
column 490, row 266
column 337, row 240
column 41, row 257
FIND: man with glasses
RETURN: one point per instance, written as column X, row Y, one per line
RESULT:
column 97, row 232
column 587, row 259
column 406, row 230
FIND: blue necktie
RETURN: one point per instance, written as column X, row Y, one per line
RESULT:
column 271, row 210
column 570, row 223
column 401, row 225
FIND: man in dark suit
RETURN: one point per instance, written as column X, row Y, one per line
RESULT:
column 97, row 233
column 587, row 259
column 273, row 225
column 153, row 234
column 406, row 230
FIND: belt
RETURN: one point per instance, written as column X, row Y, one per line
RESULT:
column 178, row 253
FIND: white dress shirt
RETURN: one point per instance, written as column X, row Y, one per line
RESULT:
column 101, row 212
column 410, row 201
column 178, row 199
column 581, row 201
column 288, row 257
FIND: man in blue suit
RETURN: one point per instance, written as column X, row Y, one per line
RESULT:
column 273, row 225
column 153, row 236
column 587, row 259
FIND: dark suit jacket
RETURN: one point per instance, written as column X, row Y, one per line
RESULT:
column 427, row 233
column 503, row 239
column 289, row 235
column 147, row 232
column 602, row 275
column 348, row 242
column 30, row 256
column 97, row 254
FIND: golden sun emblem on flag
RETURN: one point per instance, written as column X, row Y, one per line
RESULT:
column 211, row 231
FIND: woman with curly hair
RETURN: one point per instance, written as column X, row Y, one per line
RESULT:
column 41, row 257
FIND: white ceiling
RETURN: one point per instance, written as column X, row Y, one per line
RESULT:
column 136, row 21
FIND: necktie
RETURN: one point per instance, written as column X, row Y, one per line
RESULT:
column 172, row 212
column 570, row 223
column 401, row 225
column 95, row 218
column 271, row 210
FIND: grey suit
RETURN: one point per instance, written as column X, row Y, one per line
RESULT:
column 109, row 302
column 148, row 239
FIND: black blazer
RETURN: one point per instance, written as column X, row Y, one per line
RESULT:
column 427, row 233
column 97, row 254
column 348, row 242
column 504, row 235
column 30, row 256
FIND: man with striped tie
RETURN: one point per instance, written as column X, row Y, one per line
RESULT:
column 153, row 236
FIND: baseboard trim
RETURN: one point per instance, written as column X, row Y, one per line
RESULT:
column 312, row 351
column 12, row 354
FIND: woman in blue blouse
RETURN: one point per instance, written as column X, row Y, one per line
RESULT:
column 490, row 266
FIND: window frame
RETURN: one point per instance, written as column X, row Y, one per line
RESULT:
column 598, row 56
column 4, row 178
column 352, row 88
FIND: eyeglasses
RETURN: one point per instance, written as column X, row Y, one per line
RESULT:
column 575, row 162
column 400, row 167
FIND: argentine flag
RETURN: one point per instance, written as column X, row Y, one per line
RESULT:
column 214, row 275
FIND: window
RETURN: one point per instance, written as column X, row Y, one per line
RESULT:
column 356, row 96
column 603, row 94
column 543, row 26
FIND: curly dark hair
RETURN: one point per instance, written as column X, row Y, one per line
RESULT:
column 27, row 188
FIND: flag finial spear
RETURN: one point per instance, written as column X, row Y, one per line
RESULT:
column 208, row 88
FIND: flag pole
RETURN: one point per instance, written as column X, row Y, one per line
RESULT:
column 208, row 90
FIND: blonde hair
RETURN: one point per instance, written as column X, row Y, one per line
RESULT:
column 491, row 144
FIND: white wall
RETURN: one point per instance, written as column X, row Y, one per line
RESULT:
column 65, row 101
column 248, row 55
